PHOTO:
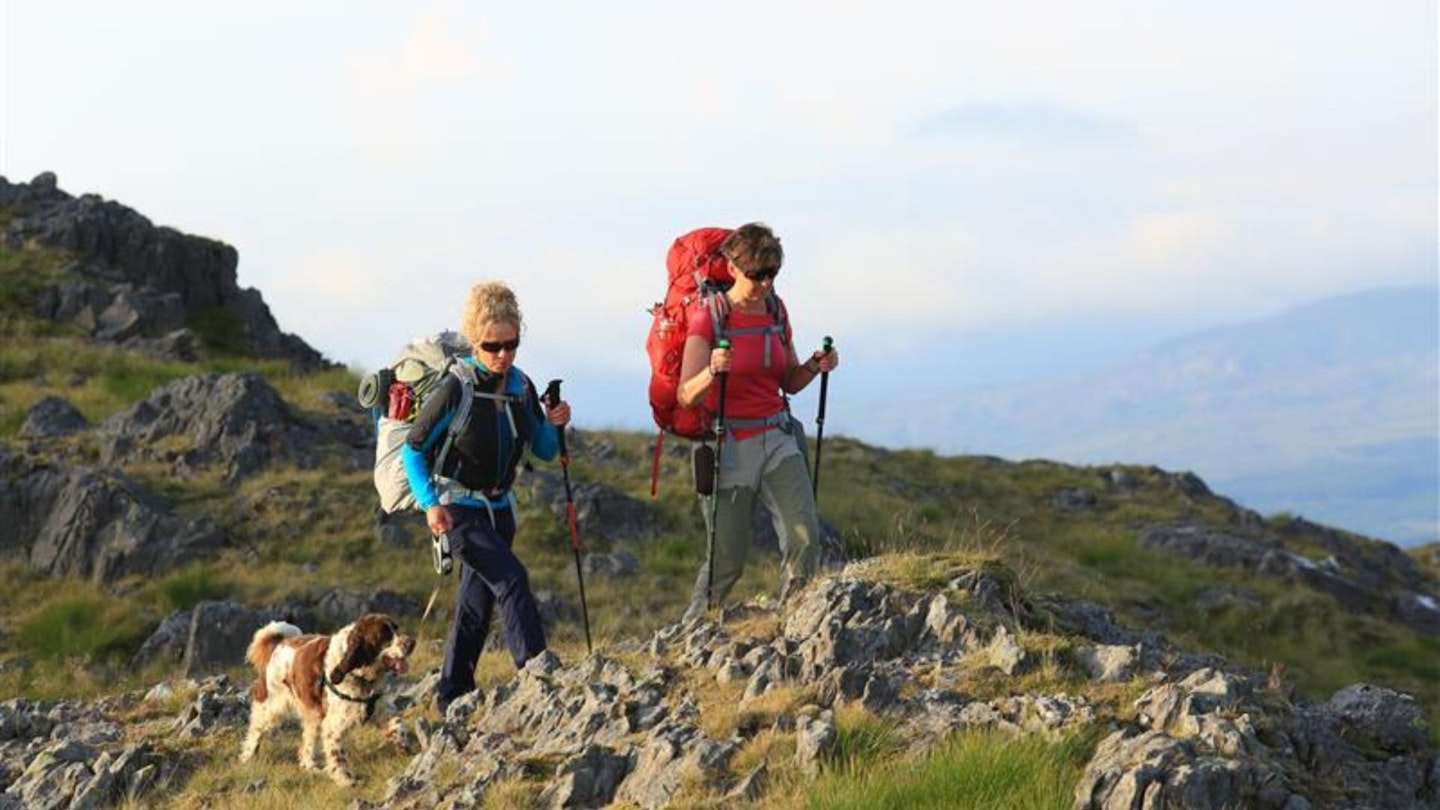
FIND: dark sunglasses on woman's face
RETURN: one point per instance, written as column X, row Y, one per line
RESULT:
column 763, row 274
column 497, row 346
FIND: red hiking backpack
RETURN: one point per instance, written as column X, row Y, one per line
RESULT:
column 695, row 268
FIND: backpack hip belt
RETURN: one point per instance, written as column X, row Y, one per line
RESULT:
column 451, row 492
column 778, row 419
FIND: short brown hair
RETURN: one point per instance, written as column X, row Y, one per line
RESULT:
column 753, row 246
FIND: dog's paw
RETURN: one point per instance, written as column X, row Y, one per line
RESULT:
column 343, row 778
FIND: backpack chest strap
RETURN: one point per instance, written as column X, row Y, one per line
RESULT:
column 719, row 307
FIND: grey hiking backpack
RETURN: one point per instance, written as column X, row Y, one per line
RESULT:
column 394, row 397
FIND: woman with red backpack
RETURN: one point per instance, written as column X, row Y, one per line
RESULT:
column 760, row 453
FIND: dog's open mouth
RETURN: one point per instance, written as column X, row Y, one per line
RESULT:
column 399, row 666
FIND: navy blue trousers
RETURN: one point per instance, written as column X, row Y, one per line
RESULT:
column 489, row 573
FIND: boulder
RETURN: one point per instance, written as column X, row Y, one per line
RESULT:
column 338, row 607
column 602, row 512
column 237, row 420
column 219, row 634
column 77, row 521
column 52, row 417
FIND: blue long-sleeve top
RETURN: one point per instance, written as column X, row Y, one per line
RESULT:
column 486, row 452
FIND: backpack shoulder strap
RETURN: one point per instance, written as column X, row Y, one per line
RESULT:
column 777, row 311
column 465, row 373
column 719, row 307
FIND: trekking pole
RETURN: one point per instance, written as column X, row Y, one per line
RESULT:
column 552, row 398
column 826, row 346
column 715, row 484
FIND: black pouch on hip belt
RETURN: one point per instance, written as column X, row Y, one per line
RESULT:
column 702, row 468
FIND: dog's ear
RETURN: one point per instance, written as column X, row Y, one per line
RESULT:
column 367, row 637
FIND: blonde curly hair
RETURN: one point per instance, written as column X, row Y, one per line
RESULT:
column 489, row 302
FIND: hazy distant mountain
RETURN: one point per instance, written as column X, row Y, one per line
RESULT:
column 1330, row 410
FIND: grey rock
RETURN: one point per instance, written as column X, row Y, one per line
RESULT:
column 339, row 606
column 167, row 642
column 601, row 511
column 618, row 564
column 51, row 417
column 1073, row 499
column 1107, row 662
column 218, row 705
column 219, row 634
column 587, row 780
column 76, row 521
column 1380, row 717
column 751, row 786
column 230, row 419
column 1005, row 653
column 673, row 755
column 814, row 737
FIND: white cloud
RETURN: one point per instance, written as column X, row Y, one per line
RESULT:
column 397, row 117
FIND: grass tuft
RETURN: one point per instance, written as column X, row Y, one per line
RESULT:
column 977, row 769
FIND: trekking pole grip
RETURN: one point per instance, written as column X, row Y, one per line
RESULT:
column 551, row 398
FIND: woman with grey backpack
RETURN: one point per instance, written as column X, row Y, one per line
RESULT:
column 468, row 500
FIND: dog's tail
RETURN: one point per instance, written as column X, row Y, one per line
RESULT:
column 262, row 646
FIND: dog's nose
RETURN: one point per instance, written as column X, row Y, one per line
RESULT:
column 407, row 644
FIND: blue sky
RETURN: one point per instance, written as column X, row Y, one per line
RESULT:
column 986, row 188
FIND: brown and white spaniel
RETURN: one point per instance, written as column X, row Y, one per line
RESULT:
column 331, row 682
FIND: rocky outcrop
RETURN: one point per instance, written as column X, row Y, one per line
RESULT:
column 1210, row 741
column 1203, row 736
column 133, row 279
column 237, row 421
column 1363, row 575
column 96, row 524
column 72, row 755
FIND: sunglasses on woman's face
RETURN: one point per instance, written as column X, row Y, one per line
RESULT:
column 763, row 274
column 497, row 346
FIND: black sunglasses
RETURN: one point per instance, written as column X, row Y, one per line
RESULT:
column 497, row 346
column 763, row 274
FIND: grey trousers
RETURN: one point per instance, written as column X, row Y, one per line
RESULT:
column 770, row 465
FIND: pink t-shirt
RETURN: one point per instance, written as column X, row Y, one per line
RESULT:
column 753, row 391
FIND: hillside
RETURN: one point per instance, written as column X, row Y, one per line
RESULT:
column 1327, row 410
column 1115, row 631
